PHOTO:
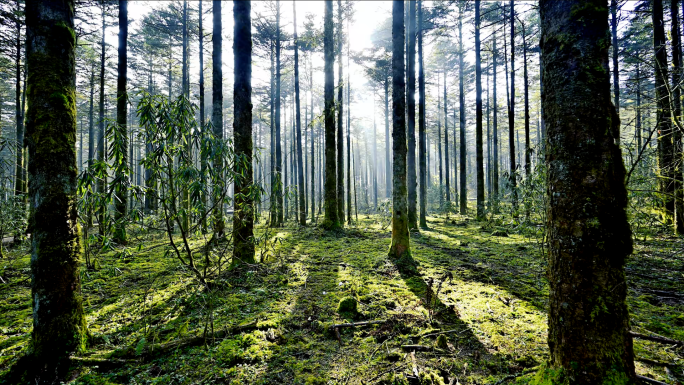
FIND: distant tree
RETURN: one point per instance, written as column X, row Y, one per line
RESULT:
column 463, row 194
column 59, row 326
column 589, row 241
column 243, row 220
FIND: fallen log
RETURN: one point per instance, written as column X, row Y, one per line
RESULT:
column 100, row 362
column 183, row 343
column 662, row 340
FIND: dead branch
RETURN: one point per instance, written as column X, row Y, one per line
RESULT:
column 662, row 340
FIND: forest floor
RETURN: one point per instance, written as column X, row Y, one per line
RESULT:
column 482, row 286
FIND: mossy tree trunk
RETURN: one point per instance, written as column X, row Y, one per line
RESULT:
column 677, row 113
column 331, row 220
column 400, row 249
column 59, row 326
column 411, row 114
column 588, row 232
column 422, row 149
column 121, row 161
column 243, row 219
column 217, row 112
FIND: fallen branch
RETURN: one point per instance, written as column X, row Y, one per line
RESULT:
column 101, row 362
column 357, row 324
column 651, row 362
column 439, row 333
column 650, row 380
column 662, row 340
column 419, row 348
column 185, row 342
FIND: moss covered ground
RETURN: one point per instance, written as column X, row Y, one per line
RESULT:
column 478, row 306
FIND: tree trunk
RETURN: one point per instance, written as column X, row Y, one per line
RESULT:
column 121, row 160
column 479, row 158
column 677, row 113
column 528, row 150
column 349, row 155
column 217, row 112
column 439, row 147
column 446, row 146
column 20, row 172
column 243, row 218
column 422, row 149
column 59, row 326
column 101, row 126
column 400, row 249
column 203, row 158
column 279, row 185
column 340, row 118
column 616, row 72
column 300, row 163
column 463, row 196
column 411, row 114
column 511, row 120
column 589, row 235
column 331, row 220
column 388, row 169
column 313, row 146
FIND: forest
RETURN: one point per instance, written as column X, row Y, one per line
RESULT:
column 398, row 192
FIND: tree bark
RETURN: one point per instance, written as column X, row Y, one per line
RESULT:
column 421, row 122
column 217, row 112
column 279, row 181
column 677, row 114
column 243, row 218
column 616, row 72
column 59, row 326
column 526, row 88
column 100, row 185
column 411, row 114
column 446, row 146
column 20, row 170
column 331, row 220
column 400, row 249
column 121, row 160
column 203, row 158
column 479, row 158
column 589, row 235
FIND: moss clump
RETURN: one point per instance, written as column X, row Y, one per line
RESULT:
column 442, row 342
column 499, row 233
column 348, row 305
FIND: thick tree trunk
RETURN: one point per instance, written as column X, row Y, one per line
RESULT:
column 511, row 120
column 463, row 196
column 422, row 149
column 217, row 112
column 479, row 158
column 331, row 220
column 59, row 326
column 589, row 235
column 411, row 114
column 400, row 249
column 121, row 160
column 243, row 218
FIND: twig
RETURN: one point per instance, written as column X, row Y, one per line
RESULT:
column 357, row 324
column 420, row 348
column 439, row 333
